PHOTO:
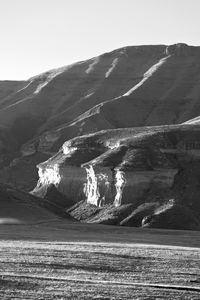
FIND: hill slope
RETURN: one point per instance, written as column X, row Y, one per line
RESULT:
column 17, row 207
column 151, row 85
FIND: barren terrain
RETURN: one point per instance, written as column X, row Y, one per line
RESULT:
column 59, row 260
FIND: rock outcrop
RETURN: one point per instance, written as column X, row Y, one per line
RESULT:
column 123, row 167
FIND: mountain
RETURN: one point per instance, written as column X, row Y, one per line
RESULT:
column 128, row 87
column 151, row 85
column 123, row 121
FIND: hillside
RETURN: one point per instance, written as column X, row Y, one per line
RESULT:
column 151, row 85
column 119, row 134
column 128, row 87
column 17, row 207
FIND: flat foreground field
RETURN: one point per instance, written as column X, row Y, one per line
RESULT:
column 62, row 260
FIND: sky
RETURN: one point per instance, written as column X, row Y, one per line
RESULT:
column 38, row 35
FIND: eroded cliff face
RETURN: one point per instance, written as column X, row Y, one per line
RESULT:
column 117, row 171
column 117, row 167
column 104, row 186
column 117, row 187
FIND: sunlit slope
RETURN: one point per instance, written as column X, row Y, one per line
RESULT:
column 131, row 86
column 147, row 85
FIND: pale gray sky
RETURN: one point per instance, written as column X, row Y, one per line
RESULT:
column 37, row 35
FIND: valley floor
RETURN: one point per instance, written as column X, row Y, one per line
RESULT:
column 63, row 260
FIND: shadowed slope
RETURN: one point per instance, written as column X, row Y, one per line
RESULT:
column 8, row 87
column 21, row 208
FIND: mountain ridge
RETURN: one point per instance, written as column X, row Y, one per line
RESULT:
column 79, row 97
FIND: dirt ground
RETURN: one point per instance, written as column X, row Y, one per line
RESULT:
column 59, row 260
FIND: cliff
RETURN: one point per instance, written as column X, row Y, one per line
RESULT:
column 118, row 170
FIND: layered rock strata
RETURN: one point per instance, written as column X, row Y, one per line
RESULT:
column 121, row 166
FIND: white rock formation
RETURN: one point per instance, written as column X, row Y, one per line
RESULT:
column 119, row 185
column 91, row 187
